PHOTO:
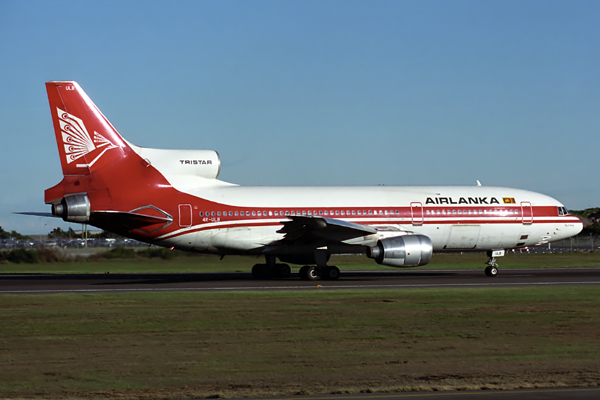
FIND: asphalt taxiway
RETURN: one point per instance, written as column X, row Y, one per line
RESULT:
column 355, row 280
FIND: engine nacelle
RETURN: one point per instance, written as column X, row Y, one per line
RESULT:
column 73, row 208
column 402, row 251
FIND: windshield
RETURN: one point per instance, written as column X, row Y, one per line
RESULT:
column 562, row 211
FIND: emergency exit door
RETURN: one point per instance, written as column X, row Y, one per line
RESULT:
column 185, row 215
column 527, row 213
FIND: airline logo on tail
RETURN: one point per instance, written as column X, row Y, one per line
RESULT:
column 78, row 142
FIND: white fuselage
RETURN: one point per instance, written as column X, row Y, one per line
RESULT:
column 244, row 219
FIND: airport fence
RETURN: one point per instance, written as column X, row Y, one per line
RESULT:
column 581, row 242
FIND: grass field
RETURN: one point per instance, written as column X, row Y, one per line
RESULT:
column 198, row 345
column 208, row 263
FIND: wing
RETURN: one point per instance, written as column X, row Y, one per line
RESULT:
column 322, row 229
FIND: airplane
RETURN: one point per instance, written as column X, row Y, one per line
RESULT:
column 172, row 198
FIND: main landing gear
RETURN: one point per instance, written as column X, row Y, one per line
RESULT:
column 492, row 268
column 268, row 271
column 308, row 273
column 312, row 273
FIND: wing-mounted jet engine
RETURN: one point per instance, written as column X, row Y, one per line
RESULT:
column 402, row 251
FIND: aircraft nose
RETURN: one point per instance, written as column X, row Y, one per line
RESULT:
column 568, row 228
column 577, row 227
column 573, row 228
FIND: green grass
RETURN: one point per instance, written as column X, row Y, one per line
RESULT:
column 208, row 263
column 182, row 345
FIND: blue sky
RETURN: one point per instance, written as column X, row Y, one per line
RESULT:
column 314, row 92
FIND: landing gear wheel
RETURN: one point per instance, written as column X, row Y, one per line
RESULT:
column 261, row 271
column 282, row 271
column 309, row 273
column 330, row 273
column 492, row 270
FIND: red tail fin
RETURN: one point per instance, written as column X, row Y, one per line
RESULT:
column 85, row 138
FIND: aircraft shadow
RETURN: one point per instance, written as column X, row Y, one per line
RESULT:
column 175, row 278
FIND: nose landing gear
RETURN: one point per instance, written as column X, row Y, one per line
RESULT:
column 492, row 268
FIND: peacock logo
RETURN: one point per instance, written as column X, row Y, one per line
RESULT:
column 78, row 142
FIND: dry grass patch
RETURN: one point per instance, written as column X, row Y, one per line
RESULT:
column 176, row 345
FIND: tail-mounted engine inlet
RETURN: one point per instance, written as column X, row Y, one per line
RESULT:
column 73, row 208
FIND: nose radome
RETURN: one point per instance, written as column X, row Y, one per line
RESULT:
column 578, row 227
column 572, row 229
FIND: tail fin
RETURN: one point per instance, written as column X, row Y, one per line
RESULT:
column 85, row 138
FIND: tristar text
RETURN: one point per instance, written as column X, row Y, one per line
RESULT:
column 196, row 162
column 462, row 200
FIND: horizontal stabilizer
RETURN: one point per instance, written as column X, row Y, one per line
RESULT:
column 38, row 214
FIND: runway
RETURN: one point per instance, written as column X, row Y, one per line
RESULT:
column 354, row 280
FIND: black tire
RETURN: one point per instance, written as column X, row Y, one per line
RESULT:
column 309, row 273
column 330, row 273
column 261, row 271
column 282, row 271
column 491, row 271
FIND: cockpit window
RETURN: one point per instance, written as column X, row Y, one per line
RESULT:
column 562, row 211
